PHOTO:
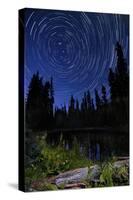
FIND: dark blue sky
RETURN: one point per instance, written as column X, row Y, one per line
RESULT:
column 75, row 48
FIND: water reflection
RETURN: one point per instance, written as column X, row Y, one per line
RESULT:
column 95, row 145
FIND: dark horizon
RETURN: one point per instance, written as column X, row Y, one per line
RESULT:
column 75, row 48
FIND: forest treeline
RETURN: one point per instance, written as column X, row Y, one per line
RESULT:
column 41, row 113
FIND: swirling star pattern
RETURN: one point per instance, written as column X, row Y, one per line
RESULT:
column 75, row 48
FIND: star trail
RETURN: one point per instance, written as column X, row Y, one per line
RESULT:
column 75, row 48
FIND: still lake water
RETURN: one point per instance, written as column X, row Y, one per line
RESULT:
column 95, row 144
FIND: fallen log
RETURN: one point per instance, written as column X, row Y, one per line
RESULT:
column 122, row 158
column 75, row 186
column 72, row 176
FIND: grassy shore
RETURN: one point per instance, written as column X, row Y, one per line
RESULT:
column 47, row 162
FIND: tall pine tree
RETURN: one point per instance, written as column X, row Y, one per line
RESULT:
column 97, row 100
column 34, row 103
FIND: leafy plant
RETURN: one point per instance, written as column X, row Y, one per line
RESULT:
column 106, row 175
column 121, row 176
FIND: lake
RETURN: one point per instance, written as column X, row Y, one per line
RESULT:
column 96, row 144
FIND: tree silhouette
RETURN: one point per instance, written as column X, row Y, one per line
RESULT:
column 77, row 105
column 122, row 76
column 119, row 88
column 104, row 97
column 39, row 103
column 41, row 114
column 88, row 100
column 34, row 104
column 113, row 89
column 97, row 99
column 72, row 105
column 119, row 79
column 51, row 120
column 92, row 105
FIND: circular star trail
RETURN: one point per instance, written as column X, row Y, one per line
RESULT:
column 75, row 48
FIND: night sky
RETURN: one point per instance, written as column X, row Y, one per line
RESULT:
column 75, row 48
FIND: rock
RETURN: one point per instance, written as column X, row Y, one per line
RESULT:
column 94, row 173
column 72, row 176
column 121, row 163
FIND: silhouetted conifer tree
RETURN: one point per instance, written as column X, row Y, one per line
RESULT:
column 119, row 79
column 39, row 104
column 71, row 105
column 34, row 103
column 77, row 105
column 122, row 76
column 119, row 88
column 97, row 100
column 111, row 79
column 104, row 97
column 88, row 100
column 92, row 105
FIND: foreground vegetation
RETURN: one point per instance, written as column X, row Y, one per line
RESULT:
column 46, row 162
